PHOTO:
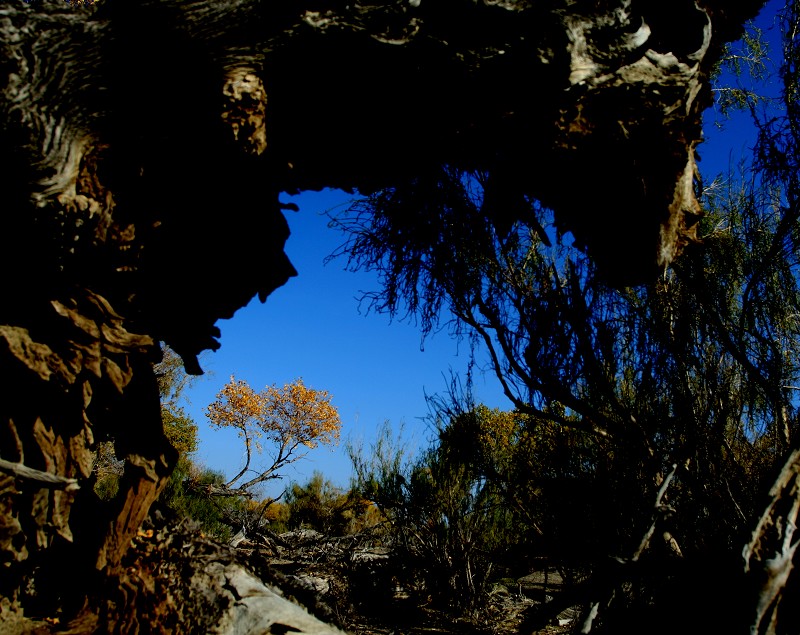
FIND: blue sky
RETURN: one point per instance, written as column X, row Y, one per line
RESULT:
column 312, row 328
column 375, row 370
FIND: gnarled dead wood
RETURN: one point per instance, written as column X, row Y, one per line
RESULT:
column 44, row 479
column 769, row 555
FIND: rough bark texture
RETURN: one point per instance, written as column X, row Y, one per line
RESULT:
column 143, row 146
column 769, row 555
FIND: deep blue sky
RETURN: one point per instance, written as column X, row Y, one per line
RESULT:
column 375, row 370
column 311, row 328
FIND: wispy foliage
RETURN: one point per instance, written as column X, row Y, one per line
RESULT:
column 682, row 391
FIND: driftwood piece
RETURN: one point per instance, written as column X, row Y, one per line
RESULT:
column 770, row 553
column 43, row 479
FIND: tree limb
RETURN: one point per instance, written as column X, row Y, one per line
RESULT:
column 44, row 479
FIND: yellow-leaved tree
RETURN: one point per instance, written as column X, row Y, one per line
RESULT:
column 286, row 421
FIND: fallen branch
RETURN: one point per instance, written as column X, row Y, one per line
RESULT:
column 45, row 479
column 592, row 608
column 660, row 509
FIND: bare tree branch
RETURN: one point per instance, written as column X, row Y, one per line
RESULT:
column 43, row 479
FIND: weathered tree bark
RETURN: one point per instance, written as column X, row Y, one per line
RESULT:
column 143, row 146
column 769, row 556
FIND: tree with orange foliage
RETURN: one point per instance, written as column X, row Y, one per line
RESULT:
column 292, row 418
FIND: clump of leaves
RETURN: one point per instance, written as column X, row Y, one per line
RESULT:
column 292, row 419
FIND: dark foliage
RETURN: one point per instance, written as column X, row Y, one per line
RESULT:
column 650, row 421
